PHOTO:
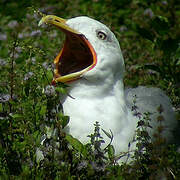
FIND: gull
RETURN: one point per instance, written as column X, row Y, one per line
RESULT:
column 92, row 64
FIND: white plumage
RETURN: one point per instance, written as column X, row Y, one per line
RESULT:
column 98, row 95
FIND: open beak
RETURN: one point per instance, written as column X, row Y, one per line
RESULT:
column 77, row 55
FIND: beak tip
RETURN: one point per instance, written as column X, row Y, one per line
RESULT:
column 40, row 22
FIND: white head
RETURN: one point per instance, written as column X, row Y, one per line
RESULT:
column 109, row 57
column 90, row 51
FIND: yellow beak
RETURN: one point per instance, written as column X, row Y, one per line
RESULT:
column 58, row 22
column 71, row 76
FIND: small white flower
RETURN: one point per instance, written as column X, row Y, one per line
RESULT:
column 49, row 90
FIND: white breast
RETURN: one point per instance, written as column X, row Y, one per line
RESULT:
column 91, row 104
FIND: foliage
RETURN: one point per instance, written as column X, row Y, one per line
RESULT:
column 31, row 116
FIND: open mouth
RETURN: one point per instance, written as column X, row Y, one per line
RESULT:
column 77, row 55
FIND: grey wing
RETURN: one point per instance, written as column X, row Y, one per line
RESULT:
column 148, row 100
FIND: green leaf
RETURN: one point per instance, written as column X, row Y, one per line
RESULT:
column 111, row 151
column 64, row 119
column 76, row 144
column 107, row 134
column 49, row 131
column 177, row 62
column 145, row 33
column 120, row 178
column 152, row 67
column 1, row 107
column 26, row 89
column 36, row 134
column 168, row 46
column 15, row 116
column 39, row 155
column 61, row 90
column 160, row 24
column 43, row 110
column 49, row 74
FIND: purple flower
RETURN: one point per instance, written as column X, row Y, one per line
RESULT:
column 134, row 108
column 23, row 35
column 164, row 2
column 123, row 28
column 32, row 16
column 28, row 75
column 137, row 114
column 4, row 98
column 18, row 49
column 53, row 34
column 33, row 59
column 2, row 62
column 3, row 37
column 149, row 12
column 151, row 72
column 82, row 165
column 45, row 65
column 35, row 33
column 15, row 55
column 98, row 167
column 12, row 24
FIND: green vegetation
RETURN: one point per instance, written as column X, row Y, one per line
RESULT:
column 148, row 32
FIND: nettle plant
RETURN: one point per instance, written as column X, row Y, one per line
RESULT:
column 33, row 143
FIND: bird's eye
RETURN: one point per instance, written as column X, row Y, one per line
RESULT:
column 101, row 35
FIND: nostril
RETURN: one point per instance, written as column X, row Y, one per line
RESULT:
column 57, row 20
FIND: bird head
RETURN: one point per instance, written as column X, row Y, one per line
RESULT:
column 90, row 50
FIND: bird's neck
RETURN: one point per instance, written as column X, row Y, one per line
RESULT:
column 86, row 88
column 101, row 89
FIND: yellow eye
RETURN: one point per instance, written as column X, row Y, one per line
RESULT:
column 101, row 35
